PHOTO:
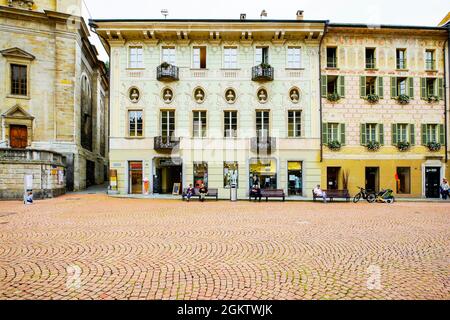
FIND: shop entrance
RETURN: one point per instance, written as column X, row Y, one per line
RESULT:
column 333, row 178
column 373, row 179
column 167, row 173
column 263, row 172
column 295, row 181
column 432, row 182
column 135, row 177
column 200, row 174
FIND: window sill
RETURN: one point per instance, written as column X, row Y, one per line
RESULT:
column 402, row 70
column 331, row 68
column 12, row 96
column 371, row 69
column 199, row 69
column 294, row 69
column 230, row 69
column 429, row 70
column 134, row 138
column 134, row 69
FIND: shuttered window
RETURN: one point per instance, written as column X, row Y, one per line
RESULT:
column 402, row 132
column 372, row 132
column 433, row 133
column 19, row 80
column 333, row 132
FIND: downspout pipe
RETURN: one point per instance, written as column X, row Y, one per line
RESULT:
column 446, row 87
column 325, row 29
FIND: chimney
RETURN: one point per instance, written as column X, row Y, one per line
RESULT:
column 300, row 14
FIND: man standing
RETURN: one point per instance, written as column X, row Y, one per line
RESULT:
column 319, row 193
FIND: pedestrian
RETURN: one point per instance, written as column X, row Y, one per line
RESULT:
column 320, row 193
column 29, row 198
column 203, row 191
column 189, row 192
column 444, row 188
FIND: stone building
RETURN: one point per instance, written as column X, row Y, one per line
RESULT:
column 214, row 102
column 383, row 108
column 53, row 99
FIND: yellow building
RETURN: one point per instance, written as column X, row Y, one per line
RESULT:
column 383, row 109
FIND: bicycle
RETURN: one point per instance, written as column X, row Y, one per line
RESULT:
column 363, row 193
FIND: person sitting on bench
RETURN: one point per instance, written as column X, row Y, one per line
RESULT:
column 189, row 192
column 203, row 191
column 319, row 193
column 255, row 192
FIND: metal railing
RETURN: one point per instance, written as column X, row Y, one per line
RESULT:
column 262, row 73
column 166, row 143
column 167, row 72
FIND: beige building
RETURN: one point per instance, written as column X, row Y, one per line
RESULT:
column 216, row 102
column 54, row 97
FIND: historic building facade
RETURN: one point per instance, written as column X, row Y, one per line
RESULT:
column 214, row 102
column 53, row 99
column 383, row 109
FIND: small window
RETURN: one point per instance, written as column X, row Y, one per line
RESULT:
column 370, row 58
column 402, row 86
column 431, row 87
column 333, row 132
column 167, row 123
column 293, row 58
column 294, row 124
column 403, row 180
column 168, row 55
column 332, row 57
column 135, row 123
column 429, row 60
column 401, row 59
column 136, row 57
column 199, row 58
column 230, row 124
column 371, row 132
column 432, row 133
column 230, row 58
column 261, row 55
column 371, row 85
column 199, row 124
column 19, row 80
column 230, row 174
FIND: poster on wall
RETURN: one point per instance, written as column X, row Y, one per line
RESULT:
column 60, row 176
column 113, row 179
column 176, row 188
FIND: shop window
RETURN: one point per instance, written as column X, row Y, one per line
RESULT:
column 295, row 181
column 200, row 174
column 135, row 177
column 263, row 173
column 403, row 180
column 230, row 174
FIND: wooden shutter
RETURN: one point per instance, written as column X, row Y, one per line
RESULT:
column 342, row 133
column 412, row 135
column 394, row 134
column 441, row 88
column 411, row 88
column 196, row 58
column 394, row 93
column 381, row 134
column 380, row 87
column 362, row 87
column 363, row 134
column 324, row 133
column 424, row 134
column 324, row 86
column 423, row 88
column 441, row 134
column 341, row 84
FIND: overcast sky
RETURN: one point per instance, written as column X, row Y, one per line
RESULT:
column 403, row 12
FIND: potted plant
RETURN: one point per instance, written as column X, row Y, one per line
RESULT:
column 333, row 97
column 433, row 98
column 403, row 99
column 165, row 65
column 434, row 146
column 403, row 145
column 334, row 145
column 373, row 145
column 265, row 65
column 373, row 98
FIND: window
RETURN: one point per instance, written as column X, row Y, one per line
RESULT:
column 333, row 85
column 295, row 177
column 402, row 86
column 167, row 123
column 19, row 80
column 230, row 174
column 199, row 58
column 135, row 123
column 429, row 60
column 403, row 180
column 403, row 132
column 135, row 177
column 333, row 132
column 136, row 57
column 401, row 59
column 262, row 123
column 293, row 58
column 432, row 87
column 332, row 57
column 230, row 124
column 199, row 124
column 371, row 86
column 294, row 124
column 200, row 174
column 370, row 58
column 433, row 133
column 168, row 55
column 230, row 58
column 372, row 132
column 261, row 55
column 263, row 172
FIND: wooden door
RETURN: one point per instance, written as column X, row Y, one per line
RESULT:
column 18, row 136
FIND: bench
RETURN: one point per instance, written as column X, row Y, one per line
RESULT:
column 269, row 193
column 212, row 193
column 333, row 194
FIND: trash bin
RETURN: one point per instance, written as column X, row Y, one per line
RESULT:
column 233, row 192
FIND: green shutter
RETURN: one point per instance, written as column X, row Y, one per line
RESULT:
column 324, row 133
column 362, row 86
column 380, row 87
column 363, row 134
column 341, row 85
column 381, row 134
column 441, row 134
column 424, row 134
column 412, row 135
column 441, row 88
column 324, row 82
column 411, row 88
column 423, row 88
column 343, row 133
column 394, row 134
column 394, row 93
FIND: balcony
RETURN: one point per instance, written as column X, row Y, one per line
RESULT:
column 164, row 143
column 264, row 145
column 262, row 72
column 167, row 72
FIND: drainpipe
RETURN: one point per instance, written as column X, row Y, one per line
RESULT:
column 325, row 29
column 446, row 86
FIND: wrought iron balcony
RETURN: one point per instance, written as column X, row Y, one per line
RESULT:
column 262, row 72
column 167, row 72
column 164, row 143
column 263, row 145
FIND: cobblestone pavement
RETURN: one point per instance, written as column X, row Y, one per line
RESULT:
column 95, row 247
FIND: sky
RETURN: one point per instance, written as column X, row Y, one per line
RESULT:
column 402, row 12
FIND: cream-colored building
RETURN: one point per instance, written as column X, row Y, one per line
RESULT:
column 214, row 102
column 53, row 96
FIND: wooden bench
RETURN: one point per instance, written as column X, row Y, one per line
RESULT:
column 269, row 193
column 212, row 193
column 333, row 194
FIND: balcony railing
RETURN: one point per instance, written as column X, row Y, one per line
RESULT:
column 31, row 155
column 331, row 62
column 262, row 73
column 263, row 144
column 370, row 63
column 167, row 72
column 401, row 64
column 165, row 143
column 429, row 64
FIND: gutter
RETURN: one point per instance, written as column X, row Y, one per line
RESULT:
column 325, row 29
